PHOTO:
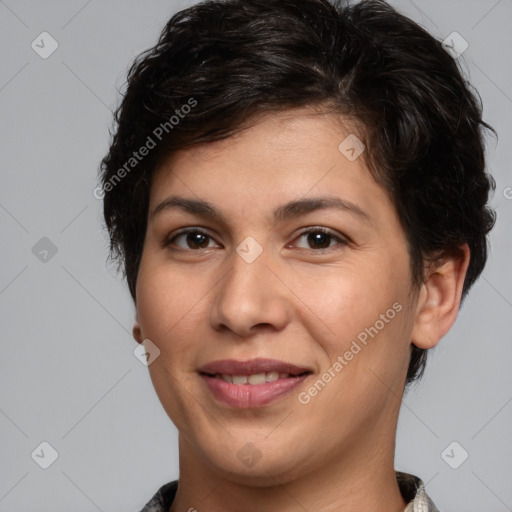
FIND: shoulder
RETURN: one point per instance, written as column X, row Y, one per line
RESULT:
column 163, row 498
column 413, row 492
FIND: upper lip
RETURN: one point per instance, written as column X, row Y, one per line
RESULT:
column 251, row 367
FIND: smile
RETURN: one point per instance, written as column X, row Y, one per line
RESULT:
column 253, row 383
column 254, row 379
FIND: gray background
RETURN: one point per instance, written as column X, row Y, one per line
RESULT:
column 68, row 375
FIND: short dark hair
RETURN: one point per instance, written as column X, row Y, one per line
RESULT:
column 235, row 60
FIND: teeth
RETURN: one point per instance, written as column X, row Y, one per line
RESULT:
column 257, row 378
column 271, row 376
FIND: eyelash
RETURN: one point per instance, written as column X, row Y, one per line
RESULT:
column 342, row 242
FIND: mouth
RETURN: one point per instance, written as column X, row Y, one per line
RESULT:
column 255, row 378
column 252, row 383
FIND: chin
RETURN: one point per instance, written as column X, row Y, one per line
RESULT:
column 255, row 467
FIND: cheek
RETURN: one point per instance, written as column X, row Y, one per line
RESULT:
column 365, row 310
column 168, row 300
column 364, row 355
column 169, row 308
column 347, row 299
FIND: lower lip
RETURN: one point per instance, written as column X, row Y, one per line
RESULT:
column 246, row 396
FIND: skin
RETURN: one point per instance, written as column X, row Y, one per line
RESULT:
column 302, row 301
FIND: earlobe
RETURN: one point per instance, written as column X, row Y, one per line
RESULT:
column 136, row 330
column 439, row 299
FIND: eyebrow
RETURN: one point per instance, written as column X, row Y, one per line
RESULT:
column 286, row 211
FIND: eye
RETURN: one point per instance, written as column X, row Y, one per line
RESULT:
column 194, row 239
column 317, row 238
column 321, row 238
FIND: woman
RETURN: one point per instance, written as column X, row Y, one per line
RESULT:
column 297, row 194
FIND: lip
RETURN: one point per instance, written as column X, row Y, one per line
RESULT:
column 247, row 396
column 251, row 366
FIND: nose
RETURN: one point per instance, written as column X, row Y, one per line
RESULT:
column 251, row 296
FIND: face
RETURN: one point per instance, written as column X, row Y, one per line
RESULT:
column 272, row 255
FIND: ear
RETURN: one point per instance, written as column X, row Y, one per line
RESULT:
column 439, row 298
column 136, row 330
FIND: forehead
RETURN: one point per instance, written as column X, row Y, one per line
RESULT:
column 281, row 157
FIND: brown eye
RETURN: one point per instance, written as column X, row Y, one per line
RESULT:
column 194, row 239
column 321, row 238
